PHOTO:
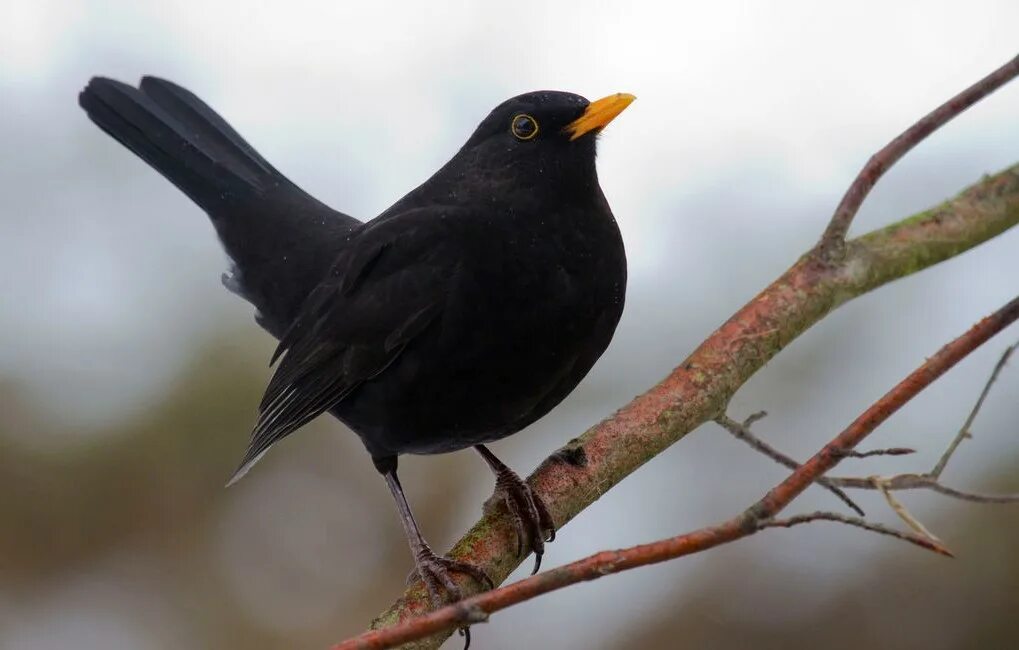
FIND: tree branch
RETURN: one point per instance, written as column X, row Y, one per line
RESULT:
column 742, row 432
column 920, row 540
column 758, row 516
column 921, row 482
column 697, row 391
column 890, row 451
column 930, row 480
column 832, row 244
column 964, row 432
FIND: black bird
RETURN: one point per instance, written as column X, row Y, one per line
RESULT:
column 459, row 316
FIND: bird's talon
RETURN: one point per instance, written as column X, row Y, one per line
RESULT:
column 531, row 519
column 435, row 572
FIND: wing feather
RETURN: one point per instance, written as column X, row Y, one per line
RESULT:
column 381, row 294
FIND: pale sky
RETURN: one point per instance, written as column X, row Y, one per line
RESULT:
column 358, row 102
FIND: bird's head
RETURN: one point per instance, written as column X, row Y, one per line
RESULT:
column 549, row 118
column 544, row 132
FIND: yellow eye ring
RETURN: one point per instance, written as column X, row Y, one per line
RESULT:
column 524, row 127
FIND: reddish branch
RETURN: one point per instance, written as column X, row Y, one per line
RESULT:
column 832, row 244
column 758, row 516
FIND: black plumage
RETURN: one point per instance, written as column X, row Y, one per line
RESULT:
column 460, row 315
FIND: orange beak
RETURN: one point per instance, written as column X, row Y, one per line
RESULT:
column 598, row 114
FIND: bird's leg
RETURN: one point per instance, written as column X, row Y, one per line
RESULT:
column 434, row 570
column 533, row 522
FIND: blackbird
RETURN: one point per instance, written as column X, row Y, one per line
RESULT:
column 458, row 316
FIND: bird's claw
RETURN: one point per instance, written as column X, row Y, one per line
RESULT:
column 533, row 523
column 435, row 572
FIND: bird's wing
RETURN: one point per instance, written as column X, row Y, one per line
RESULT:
column 384, row 290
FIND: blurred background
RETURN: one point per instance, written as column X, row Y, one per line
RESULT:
column 129, row 377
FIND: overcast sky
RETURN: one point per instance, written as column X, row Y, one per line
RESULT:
column 358, row 102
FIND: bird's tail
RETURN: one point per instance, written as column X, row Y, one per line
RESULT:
column 182, row 138
column 281, row 240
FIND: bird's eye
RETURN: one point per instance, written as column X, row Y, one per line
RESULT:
column 524, row 127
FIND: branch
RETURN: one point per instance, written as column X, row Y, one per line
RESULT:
column 697, row 391
column 742, row 432
column 920, row 540
column 832, row 244
column 901, row 510
column 930, row 480
column 921, row 482
column 758, row 516
column 964, row 432
column 890, row 451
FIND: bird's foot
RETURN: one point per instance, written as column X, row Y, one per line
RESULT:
column 533, row 523
column 435, row 571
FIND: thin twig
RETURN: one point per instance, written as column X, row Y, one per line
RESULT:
column 836, row 484
column 891, row 451
column 832, row 243
column 900, row 509
column 897, row 482
column 921, row 482
column 746, row 523
column 964, row 432
column 928, row 481
column 974, row 497
column 742, row 432
column 919, row 540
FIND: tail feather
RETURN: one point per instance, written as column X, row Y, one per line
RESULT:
column 192, row 152
column 205, row 124
column 280, row 239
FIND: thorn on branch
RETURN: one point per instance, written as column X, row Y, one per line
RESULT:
column 753, row 418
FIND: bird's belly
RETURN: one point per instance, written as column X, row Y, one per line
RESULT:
column 502, row 364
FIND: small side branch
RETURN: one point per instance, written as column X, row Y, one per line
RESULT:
column 742, row 432
column 900, row 509
column 964, row 432
column 833, row 241
column 929, row 481
column 920, row 540
column 921, row 482
column 891, row 451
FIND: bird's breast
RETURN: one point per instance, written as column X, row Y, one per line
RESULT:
column 527, row 312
